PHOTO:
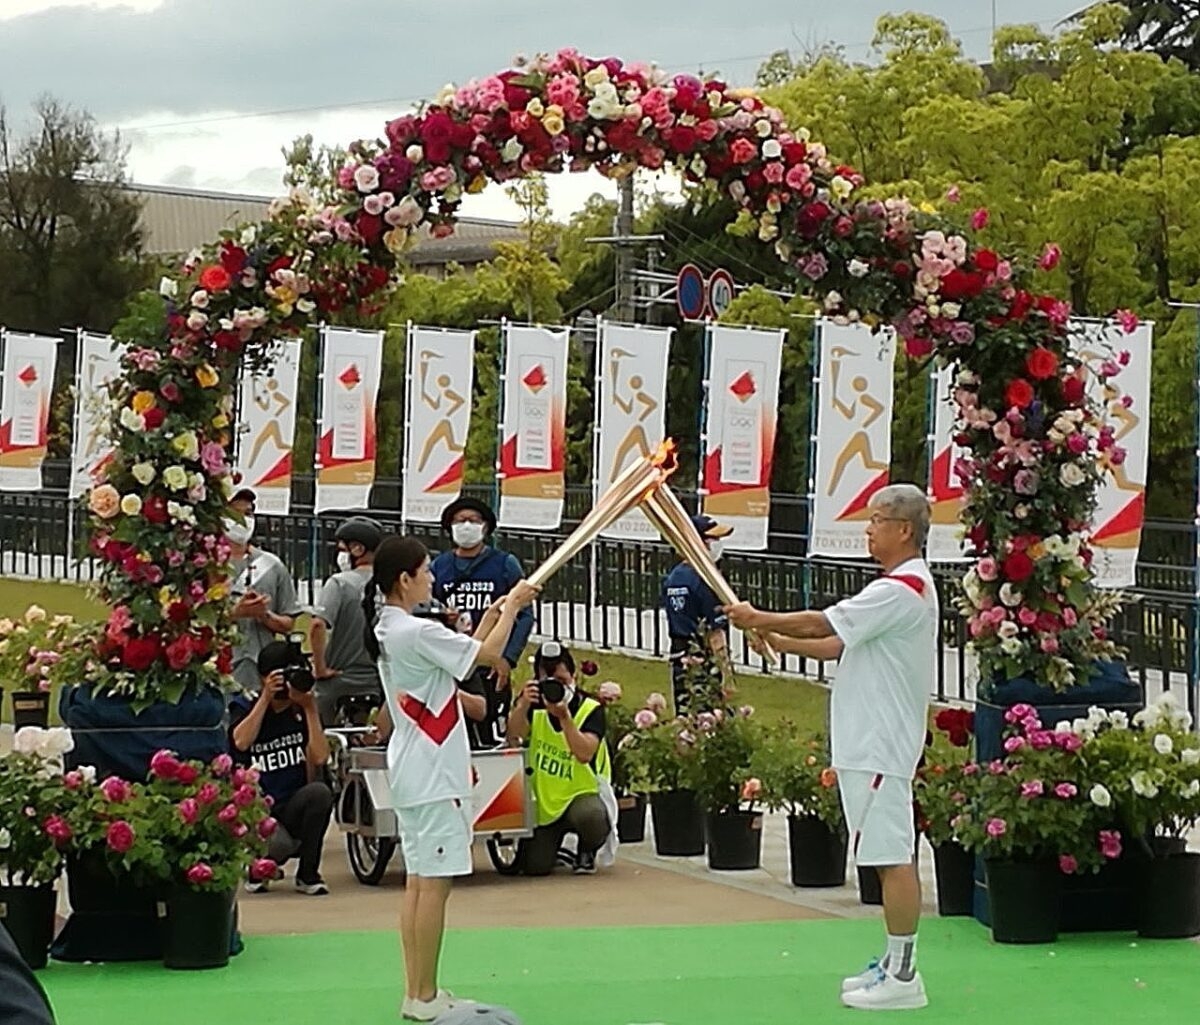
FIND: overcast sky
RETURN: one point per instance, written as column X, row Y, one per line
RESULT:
column 206, row 92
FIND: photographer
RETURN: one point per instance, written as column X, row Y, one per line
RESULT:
column 279, row 734
column 567, row 757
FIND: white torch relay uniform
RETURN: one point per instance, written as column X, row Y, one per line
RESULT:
column 429, row 761
column 880, row 706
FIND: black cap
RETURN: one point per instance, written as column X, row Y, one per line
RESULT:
column 244, row 495
column 276, row 655
column 459, row 504
column 362, row 529
column 709, row 528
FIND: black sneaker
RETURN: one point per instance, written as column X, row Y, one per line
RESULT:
column 585, row 864
column 317, row 888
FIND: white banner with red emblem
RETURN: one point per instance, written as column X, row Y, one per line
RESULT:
column 1121, row 497
column 534, row 427
column 29, row 363
column 739, row 431
column 631, row 397
column 946, row 493
column 853, row 437
column 346, row 442
column 267, row 430
column 98, row 362
column 441, row 373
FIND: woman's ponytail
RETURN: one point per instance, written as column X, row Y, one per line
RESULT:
column 370, row 606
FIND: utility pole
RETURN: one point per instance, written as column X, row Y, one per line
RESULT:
column 625, row 263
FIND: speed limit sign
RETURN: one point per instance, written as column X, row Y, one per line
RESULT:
column 720, row 291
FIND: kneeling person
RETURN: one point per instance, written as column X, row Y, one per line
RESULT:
column 279, row 733
column 567, row 757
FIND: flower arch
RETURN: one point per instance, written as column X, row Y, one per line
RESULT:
column 1037, row 447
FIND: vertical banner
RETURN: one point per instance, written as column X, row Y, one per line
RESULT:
column 853, row 434
column 739, row 446
column 346, row 447
column 534, row 429
column 268, row 430
column 29, row 362
column 946, row 541
column 98, row 363
column 441, row 374
column 1121, row 497
column 631, row 397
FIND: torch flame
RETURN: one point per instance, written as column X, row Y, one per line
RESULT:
column 666, row 457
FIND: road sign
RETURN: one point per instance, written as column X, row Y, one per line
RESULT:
column 691, row 296
column 720, row 291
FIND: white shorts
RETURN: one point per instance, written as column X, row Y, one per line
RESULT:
column 879, row 817
column 436, row 838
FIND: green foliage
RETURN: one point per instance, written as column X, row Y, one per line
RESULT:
column 792, row 766
column 725, row 742
column 31, row 789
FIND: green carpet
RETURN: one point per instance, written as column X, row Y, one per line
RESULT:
column 759, row 974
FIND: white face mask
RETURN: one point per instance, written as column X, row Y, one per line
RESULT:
column 345, row 561
column 239, row 533
column 716, row 549
column 467, row 534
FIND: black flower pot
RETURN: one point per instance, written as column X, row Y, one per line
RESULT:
column 734, row 840
column 678, row 823
column 112, row 918
column 1026, row 900
column 1170, row 897
column 27, row 912
column 30, row 708
column 631, row 818
column 197, row 928
column 817, row 854
column 954, row 868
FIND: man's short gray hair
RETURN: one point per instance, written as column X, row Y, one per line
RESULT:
column 906, row 502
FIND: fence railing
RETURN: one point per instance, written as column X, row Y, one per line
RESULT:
column 609, row 597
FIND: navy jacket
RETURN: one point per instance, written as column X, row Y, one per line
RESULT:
column 471, row 585
column 689, row 602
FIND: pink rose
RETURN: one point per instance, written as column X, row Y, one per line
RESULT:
column 656, row 702
column 1049, row 645
column 1066, row 791
column 1014, row 744
column 240, row 830
column 1019, row 712
column 980, row 218
column 1110, row 843
column 245, row 795
column 73, row 780
column 115, row 789
column 228, row 814
column 996, row 767
column 189, row 810
column 207, row 793
column 1127, row 319
column 1067, row 864
column 262, row 868
column 644, row 719
column 120, row 836
column 164, row 765
column 987, row 569
column 609, row 692
column 57, row 829
column 267, row 827
column 1050, row 257
column 187, row 774
column 1034, row 788
column 221, row 765
column 212, row 458
column 1068, row 741
column 996, row 827
column 1040, row 740
column 199, row 874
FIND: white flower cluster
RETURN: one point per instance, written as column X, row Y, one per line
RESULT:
column 52, row 743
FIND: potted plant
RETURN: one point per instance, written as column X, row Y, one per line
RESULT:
column 943, row 787
column 618, row 725
column 1032, row 821
column 1148, row 774
column 654, row 756
column 30, row 649
column 717, row 771
column 31, row 790
column 211, row 824
column 796, row 777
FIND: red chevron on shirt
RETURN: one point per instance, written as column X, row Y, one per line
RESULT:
column 436, row 727
column 908, row 579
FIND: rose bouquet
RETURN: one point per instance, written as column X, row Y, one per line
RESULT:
column 31, row 791
column 946, row 779
column 653, row 755
column 718, row 768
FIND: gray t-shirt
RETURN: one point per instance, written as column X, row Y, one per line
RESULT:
column 340, row 606
column 264, row 573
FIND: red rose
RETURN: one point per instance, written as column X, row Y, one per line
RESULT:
column 986, row 260
column 902, row 269
column 1022, row 303
column 370, row 228
column 178, row 612
column 120, row 836
column 140, row 653
column 1073, row 389
column 1041, row 363
column 225, row 661
column 1019, row 393
column 843, row 226
column 961, row 284
column 1018, row 567
column 918, row 348
column 153, row 418
column 811, row 217
column 179, row 653
column 215, row 278
column 233, row 258
column 170, row 391
column 186, row 774
column 794, row 153
column 154, row 509
column 681, row 139
column 227, row 340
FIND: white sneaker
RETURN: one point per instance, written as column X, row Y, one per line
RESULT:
column 427, row 1010
column 853, row 982
column 257, row 885
column 887, row 993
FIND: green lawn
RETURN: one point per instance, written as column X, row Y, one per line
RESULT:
column 772, row 697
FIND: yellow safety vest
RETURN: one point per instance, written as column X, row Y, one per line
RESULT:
column 558, row 776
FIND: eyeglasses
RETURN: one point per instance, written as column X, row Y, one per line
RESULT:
column 876, row 519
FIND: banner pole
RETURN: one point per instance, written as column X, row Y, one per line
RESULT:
column 76, row 430
column 319, row 421
column 813, row 409
column 702, row 414
column 405, row 454
column 502, row 378
column 593, row 605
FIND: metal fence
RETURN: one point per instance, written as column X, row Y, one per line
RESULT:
column 609, row 597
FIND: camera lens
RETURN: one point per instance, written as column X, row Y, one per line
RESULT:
column 552, row 690
column 299, row 678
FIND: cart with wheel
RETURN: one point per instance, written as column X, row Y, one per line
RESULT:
column 502, row 802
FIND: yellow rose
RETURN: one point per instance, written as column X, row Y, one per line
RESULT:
column 142, row 401
column 206, row 377
column 477, row 184
column 218, row 591
column 927, row 208
column 131, row 504
column 165, row 596
column 175, row 477
column 554, row 123
column 186, row 445
column 534, row 108
column 220, row 420
column 35, row 614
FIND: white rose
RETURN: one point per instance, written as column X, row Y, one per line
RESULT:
column 1163, row 744
column 366, row 178
column 857, row 268
column 771, row 149
column 1008, row 629
column 200, row 299
column 1191, row 790
column 58, row 741
column 404, row 214
column 1100, row 796
column 1118, row 720
column 762, row 128
column 951, row 310
column 511, row 151
column 5, row 839
column 596, row 76
column 175, row 477
column 415, row 153
column 88, row 772
column 168, row 288
column 131, row 504
column 143, row 473
column 841, row 187
column 1064, row 726
column 1071, row 475
column 1010, row 646
column 196, row 320
column 131, row 420
column 27, row 740
column 1190, row 756
column 1010, row 596
column 1143, row 785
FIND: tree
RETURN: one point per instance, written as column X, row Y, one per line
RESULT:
column 1171, row 28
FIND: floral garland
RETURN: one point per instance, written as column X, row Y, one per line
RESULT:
column 1036, row 441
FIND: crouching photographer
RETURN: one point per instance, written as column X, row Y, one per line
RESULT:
column 278, row 732
column 568, row 760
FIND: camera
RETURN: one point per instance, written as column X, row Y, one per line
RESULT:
column 437, row 611
column 551, row 689
column 298, row 674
